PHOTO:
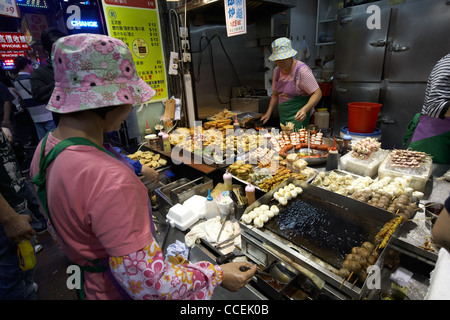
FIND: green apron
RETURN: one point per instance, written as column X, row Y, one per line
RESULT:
column 289, row 109
column 40, row 181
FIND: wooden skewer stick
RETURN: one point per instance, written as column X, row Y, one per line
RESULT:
column 342, row 283
column 418, row 219
column 354, row 282
column 350, row 276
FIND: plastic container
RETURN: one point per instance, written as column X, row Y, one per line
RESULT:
column 196, row 204
column 359, row 136
column 211, row 209
column 160, row 138
column 363, row 116
column 166, row 143
column 181, row 217
column 227, row 180
column 224, row 203
column 250, row 193
column 322, row 118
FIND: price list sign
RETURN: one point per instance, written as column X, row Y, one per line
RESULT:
column 236, row 17
column 136, row 23
column 9, row 8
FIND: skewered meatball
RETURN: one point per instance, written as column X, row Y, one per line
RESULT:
column 343, row 273
column 352, row 266
column 368, row 246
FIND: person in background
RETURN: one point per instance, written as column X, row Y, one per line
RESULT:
column 39, row 222
column 98, row 207
column 6, row 99
column 15, row 284
column 42, row 118
column 439, row 280
column 42, row 79
column 430, row 129
column 295, row 90
column 440, row 231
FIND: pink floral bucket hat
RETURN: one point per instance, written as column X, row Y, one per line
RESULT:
column 94, row 71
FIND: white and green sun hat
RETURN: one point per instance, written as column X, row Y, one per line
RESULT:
column 282, row 49
column 94, row 71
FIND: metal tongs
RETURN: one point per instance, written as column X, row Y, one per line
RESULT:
column 223, row 224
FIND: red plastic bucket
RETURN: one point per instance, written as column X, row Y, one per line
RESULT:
column 362, row 116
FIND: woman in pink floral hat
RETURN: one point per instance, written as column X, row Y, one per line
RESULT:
column 97, row 206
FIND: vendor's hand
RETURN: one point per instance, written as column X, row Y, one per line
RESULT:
column 150, row 174
column 300, row 115
column 233, row 278
column 18, row 228
column 265, row 118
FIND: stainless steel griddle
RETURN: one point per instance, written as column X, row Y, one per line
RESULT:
column 314, row 232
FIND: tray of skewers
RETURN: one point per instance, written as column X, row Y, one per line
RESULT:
column 310, row 146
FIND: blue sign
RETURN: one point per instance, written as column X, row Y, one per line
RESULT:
column 82, row 18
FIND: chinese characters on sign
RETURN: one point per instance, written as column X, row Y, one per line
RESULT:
column 236, row 17
column 136, row 23
column 13, row 41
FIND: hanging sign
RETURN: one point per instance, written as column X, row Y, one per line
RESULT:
column 35, row 23
column 136, row 23
column 11, row 54
column 236, row 17
column 9, row 8
column 13, row 41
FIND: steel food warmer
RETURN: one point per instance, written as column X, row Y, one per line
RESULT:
column 313, row 234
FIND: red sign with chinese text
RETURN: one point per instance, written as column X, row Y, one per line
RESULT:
column 13, row 41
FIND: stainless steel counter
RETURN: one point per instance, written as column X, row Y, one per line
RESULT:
column 407, row 243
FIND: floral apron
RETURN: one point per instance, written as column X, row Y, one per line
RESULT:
column 97, row 265
column 288, row 109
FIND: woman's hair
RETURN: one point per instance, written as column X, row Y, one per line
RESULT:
column 49, row 37
column 103, row 111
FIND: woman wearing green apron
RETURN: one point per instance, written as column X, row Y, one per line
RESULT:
column 295, row 90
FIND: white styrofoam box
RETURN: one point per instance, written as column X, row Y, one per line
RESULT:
column 366, row 168
column 196, row 204
column 181, row 217
column 419, row 176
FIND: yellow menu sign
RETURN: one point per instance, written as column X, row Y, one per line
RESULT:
column 136, row 23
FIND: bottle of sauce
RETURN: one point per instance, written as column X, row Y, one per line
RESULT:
column 211, row 209
column 347, row 145
column 148, row 130
column 267, row 143
column 160, row 138
column 227, row 180
column 250, row 193
column 236, row 125
column 166, row 143
column 333, row 157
